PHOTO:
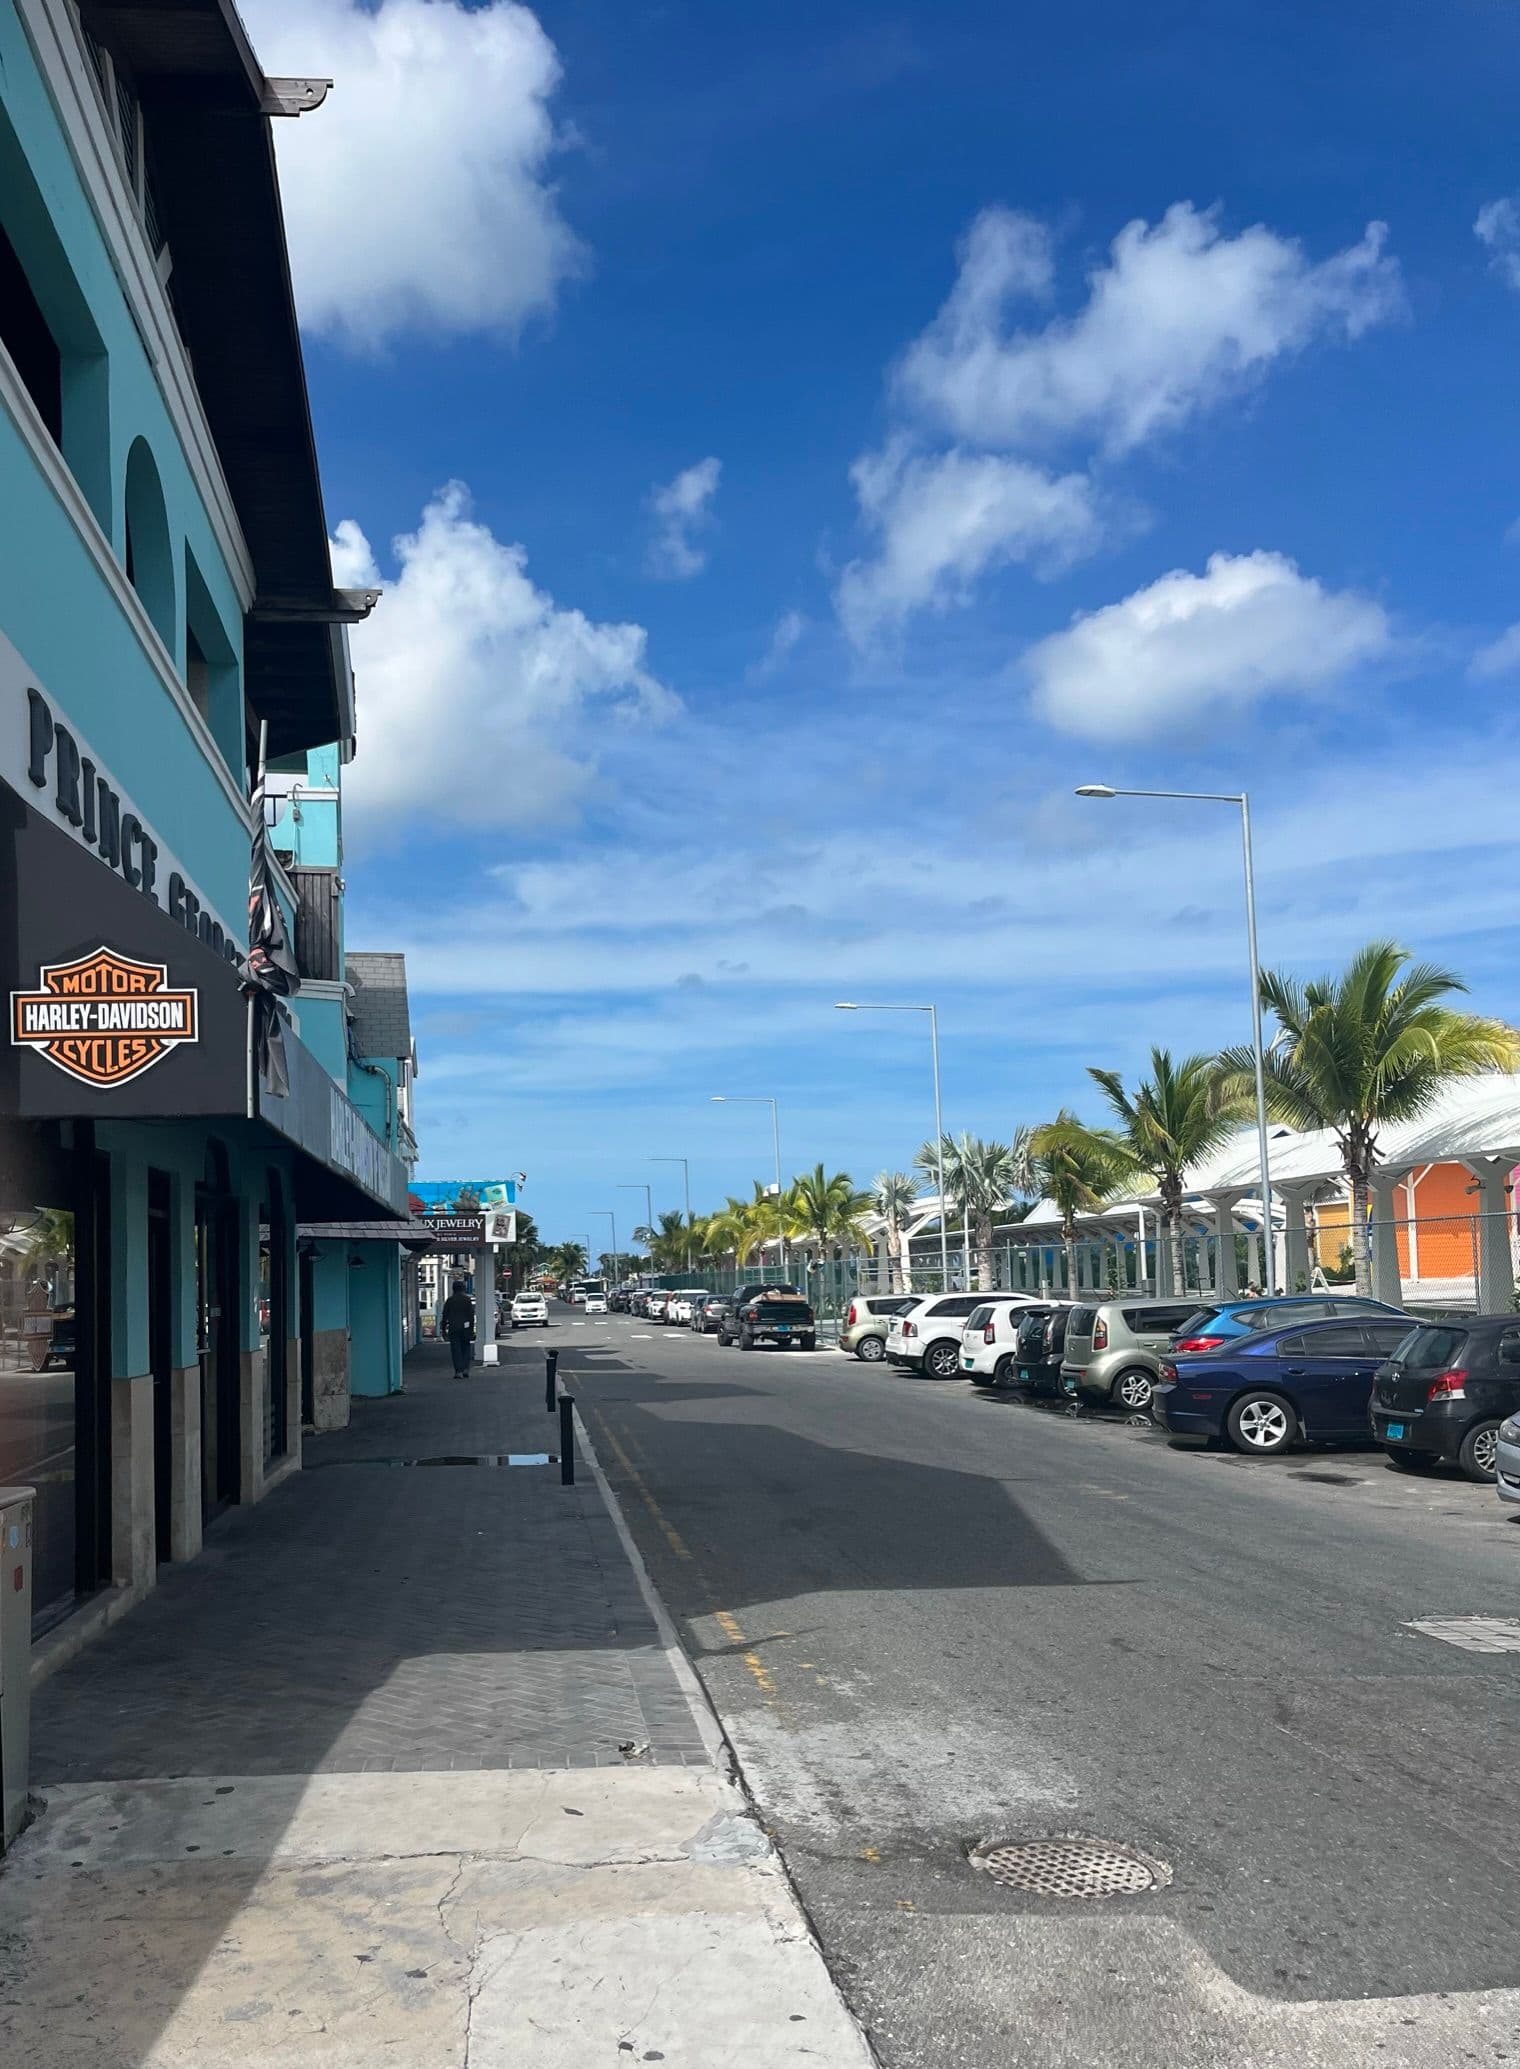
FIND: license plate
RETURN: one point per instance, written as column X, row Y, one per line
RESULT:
column 783, row 1328
column 1394, row 1431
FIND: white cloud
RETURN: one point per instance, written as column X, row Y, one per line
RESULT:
column 1178, row 316
column 1501, row 657
column 683, row 509
column 943, row 519
column 1498, row 226
column 1249, row 626
column 417, row 197
column 477, row 693
column 785, row 635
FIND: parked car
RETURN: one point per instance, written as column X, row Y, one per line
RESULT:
column 1209, row 1327
column 732, row 1302
column 1507, row 1460
column 659, row 1306
column 1029, row 1350
column 707, row 1312
column 1446, row 1392
column 679, row 1306
column 530, row 1309
column 989, row 1339
column 1114, row 1349
column 1265, row 1392
column 784, row 1319
column 864, row 1329
column 928, row 1332
column 596, row 1304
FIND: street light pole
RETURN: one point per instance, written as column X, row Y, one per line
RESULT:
column 1258, row 1049
column 613, row 1219
column 754, row 1099
column 855, row 1006
column 637, row 1185
column 686, row 1192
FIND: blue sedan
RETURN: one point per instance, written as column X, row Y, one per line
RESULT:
column 1214, row 1326
column 1267, row 1391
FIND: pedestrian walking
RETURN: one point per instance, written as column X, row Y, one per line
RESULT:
column 458, row 1324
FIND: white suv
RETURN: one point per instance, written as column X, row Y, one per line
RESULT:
column 928, row 1334
column 990, row 1338
column 530, row 1307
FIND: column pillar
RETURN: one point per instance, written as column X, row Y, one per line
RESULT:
column 133, row 1546
column 1295, row 1239
column 1226, row 1275
column 485, row 1302
column 1387, row 1279
column 1495, row 1272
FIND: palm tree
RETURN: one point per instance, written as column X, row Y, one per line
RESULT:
column 981, row 1178
column 567, row 1261
column 737, row 1228
column 1077, row 1168
column 893, row 1196
column 669, row 1241
column 1366, row 1050
column 1173, row 1119
column 826, row 1208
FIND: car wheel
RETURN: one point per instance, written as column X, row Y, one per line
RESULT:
column 1002, row 1372
column 942, row 1360
column 1479, row 1456
column 746, row 1341
column 808, row 1343
column 1410, row 1461
column 1261, row 1424
column 871, row 1350
column 724, row 1338
column 1134, row 1388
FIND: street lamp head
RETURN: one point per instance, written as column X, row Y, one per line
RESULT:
column 720, row 1099
column 1095, row 790
column 845, row 1006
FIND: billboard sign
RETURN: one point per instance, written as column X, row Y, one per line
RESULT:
column 463, row 1195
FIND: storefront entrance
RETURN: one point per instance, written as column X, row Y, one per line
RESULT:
column 53, row 1335
column 161, row 1358
column 216, row 1294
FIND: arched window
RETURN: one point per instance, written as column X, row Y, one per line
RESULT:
column 150, row 564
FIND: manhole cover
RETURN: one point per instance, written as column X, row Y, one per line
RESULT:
column 1070, row 1865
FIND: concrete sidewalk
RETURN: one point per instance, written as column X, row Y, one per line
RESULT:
column 402, row 1771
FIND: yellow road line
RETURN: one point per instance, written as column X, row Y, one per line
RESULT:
column 672, row 1536
column 729, row 1626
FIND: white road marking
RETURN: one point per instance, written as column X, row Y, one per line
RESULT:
column 1472, row 1633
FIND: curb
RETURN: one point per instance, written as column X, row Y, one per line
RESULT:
column 725, row 1755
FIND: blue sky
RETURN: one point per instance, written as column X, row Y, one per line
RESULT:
column 801, row 445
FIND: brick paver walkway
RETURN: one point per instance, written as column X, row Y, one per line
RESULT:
column 373, row 1615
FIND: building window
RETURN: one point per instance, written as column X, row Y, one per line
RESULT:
column 33, row 348
column 149, row 562
column 48, row 333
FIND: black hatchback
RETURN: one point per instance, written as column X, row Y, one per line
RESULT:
column 1445, row 1391
column 1039, row 1348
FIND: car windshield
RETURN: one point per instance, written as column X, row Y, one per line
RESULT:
column 1431, row 1349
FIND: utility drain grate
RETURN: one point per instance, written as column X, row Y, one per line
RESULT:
column 1071, row 1866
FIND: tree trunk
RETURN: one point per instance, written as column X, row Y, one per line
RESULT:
column 986, row 1271
column 1069, row 1242
column 1361, row 1245
column 1174, row 1243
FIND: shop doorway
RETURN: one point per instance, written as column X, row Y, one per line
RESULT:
column 274, row 1319
column 160, row 1357
column 307, row 1291
column 216, row 1278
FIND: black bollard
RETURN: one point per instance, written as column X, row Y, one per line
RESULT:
column 551, row 1367
column 567, row 1440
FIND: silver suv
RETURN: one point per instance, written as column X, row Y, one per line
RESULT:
column 864, row 1329
column 1113, row 1351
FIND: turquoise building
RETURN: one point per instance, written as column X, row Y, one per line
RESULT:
column 189, row 1234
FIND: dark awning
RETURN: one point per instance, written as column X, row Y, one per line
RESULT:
column 405, row 1233
column 211, row 158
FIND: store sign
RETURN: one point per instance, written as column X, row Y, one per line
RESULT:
column 50, row 761
column 104, row 1018
column 353, row 1146
column 456, row 1231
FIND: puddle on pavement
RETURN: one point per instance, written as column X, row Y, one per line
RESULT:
column 462, row 1458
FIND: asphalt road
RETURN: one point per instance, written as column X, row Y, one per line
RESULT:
column 931, row 1618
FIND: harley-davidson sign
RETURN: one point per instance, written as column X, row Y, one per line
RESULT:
column 104, row 1018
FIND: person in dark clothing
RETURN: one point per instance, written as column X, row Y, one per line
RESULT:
column 458, row 1324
